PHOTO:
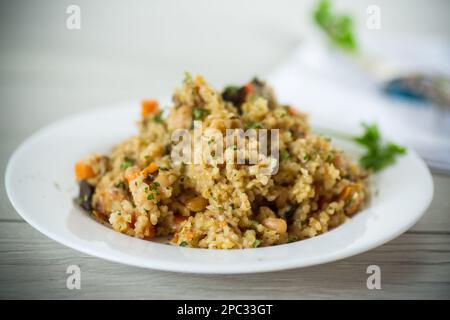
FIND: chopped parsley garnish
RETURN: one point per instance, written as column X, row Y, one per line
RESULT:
column 82, row 199
column 199, row 113
column 337, row 27
column 234, row 94
column 284, row 155
column 120, row 185
column 329, row 158
column 234, row 147
column 183, row 244
column 292, row 239
column 151, row 196
column 289, row 214
column 280, row 113
column 127, row 162
column 154, row 186
column 253, row 125
column 378, row 154
column 306, row 157
column 256, row 243
column 158, row 117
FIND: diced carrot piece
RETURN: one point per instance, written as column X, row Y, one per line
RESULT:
column 149, row 107
column 152, row 167
column 83, row 171
column 248, row 88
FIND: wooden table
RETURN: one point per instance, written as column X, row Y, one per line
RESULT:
column 47, row 72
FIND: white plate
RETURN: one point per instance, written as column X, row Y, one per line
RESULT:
column 41, row 186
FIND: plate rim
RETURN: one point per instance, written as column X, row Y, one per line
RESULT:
column 276, row 265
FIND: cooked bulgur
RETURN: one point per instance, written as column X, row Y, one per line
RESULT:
column 142, row 192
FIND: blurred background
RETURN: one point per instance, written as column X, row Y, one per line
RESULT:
column 130, row 50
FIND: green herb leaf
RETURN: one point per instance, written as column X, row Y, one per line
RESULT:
column 378, row 154
column 329, row 158
column 187, row 77
column 292, row 239
column 234, row 94
column 158, row 117
column 280, row 112
column 284, row 155
column 253, row 125
column 120, row 185
column 231, row 93
column 199, row 113
column 256, row 243
column 337, row 27
column 183, row 244
column 127, row 162
column 254, row 223
column 151, row 196
column 79, row 200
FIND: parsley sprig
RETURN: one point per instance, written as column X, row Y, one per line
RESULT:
column 378, row 154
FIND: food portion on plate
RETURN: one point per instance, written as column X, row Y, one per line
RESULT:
column 141, row 191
